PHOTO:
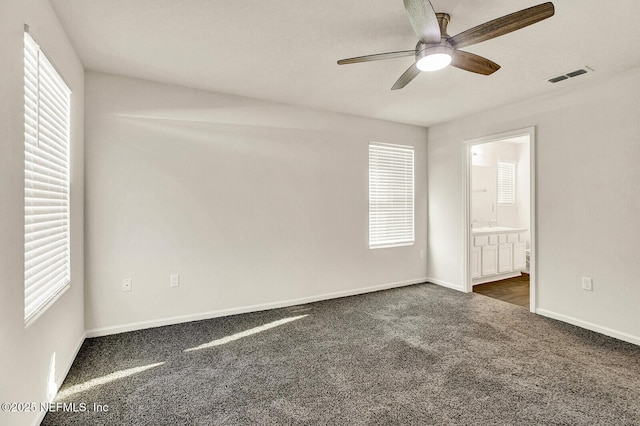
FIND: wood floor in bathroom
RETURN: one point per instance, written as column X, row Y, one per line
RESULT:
column 512, row 290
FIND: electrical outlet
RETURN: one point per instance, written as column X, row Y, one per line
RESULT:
column 126, row 284
column 587, row 283
column 174, row 280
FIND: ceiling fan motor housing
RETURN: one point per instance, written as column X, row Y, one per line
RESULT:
column 434, row 57
column 423, row 49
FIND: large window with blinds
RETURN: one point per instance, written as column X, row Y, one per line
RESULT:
column 391, row 195
column 47, row 101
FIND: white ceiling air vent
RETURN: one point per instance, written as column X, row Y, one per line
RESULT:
column 568, row 75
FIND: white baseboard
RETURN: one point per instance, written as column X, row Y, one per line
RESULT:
column 452, row 286
column 590, row 326
column 105, row 331
column 61, row 376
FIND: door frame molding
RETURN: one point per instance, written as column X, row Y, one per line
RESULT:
column 468, row 144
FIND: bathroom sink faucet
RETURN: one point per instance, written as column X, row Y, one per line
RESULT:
column 492, row 223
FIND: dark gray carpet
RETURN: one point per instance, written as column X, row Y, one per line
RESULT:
column 416, row 355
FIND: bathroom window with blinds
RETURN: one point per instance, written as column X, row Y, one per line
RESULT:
column 47, row 101
column 506, row 183
column 391, row 195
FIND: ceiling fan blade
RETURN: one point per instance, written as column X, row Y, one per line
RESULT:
column 423, row 20
column 377, row 57
column 474, row 63
column 406, row 78
column 503, row 25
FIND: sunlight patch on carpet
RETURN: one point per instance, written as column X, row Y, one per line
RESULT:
column 245, row 333
column 98, row 381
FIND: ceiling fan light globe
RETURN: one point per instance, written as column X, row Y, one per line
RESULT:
column 433, row 58
column 434, row 62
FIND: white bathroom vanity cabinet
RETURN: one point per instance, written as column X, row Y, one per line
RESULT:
column 497, row 253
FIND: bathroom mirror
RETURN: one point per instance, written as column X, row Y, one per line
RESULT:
column 483, row 195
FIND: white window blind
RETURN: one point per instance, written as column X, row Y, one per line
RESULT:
column 391, row 195
column 506, row 183
column 46, row 181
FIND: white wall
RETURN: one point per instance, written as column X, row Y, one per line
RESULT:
column 25, row 353
column 588, row 199
column 254, row 204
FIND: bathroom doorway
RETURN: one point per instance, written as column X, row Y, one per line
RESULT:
column 500, row 217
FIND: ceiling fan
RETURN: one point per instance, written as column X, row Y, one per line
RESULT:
column 436, row 49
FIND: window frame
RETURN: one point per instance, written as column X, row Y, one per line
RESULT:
column 501, row 196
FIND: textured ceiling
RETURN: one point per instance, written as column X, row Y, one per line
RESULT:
column 286, row 51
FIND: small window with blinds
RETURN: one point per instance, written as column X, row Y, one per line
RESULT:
column 506, row 183
column 47, row 101
column 391, row 195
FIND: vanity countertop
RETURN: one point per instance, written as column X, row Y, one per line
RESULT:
column 487, row 230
